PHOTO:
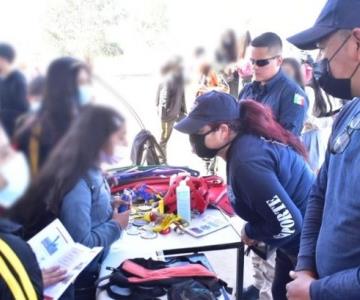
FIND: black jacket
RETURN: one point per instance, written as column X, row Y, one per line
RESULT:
column 13, row 101
column 171, row 98
column 27, row 258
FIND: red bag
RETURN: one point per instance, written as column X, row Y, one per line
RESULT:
column 204, row 191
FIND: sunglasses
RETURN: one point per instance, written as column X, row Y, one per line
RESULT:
column 262, row 62
column 343, row 140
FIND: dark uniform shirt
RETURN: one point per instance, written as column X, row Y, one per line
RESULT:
column 286, row 98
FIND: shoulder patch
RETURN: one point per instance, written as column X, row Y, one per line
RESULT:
column 299, row 99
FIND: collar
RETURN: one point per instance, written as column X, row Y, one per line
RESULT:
column 270, row 83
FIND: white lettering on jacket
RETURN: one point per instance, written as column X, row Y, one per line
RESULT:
column 284, row 217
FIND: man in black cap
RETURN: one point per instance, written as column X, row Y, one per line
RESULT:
column 329, row 259
column 13, row 101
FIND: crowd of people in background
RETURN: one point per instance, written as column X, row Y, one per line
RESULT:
column 269, row 117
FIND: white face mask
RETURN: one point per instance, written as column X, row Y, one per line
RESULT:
column 35, row 106
column 16, row 174
column 85, row 94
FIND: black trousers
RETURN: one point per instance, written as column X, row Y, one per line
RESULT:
column 283, row 265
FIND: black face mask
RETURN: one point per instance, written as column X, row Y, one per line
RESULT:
column 339, row 88
column 201, row 150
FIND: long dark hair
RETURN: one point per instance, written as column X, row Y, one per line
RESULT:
column 299, row 79
column 258, row 119
column 77, row 152
column 61, row 100
column 227, row 51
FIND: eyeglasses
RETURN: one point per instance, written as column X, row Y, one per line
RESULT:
column 262, row 62
column 343, row 140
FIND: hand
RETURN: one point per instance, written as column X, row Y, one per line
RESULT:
column 245, row 239
column 53, row 275
column 299, row 289
column 117, row 202
column 121, row 218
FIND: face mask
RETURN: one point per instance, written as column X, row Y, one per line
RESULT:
column 201, row 150
column 35, row 106
column 16, row 174
column 339, row 88
column 85, row 94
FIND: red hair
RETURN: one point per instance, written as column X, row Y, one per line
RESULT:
column 259, row 120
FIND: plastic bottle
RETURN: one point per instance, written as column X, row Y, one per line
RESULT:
column 183, row 201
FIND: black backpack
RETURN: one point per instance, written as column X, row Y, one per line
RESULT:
column 123, row 283
column 146, row 150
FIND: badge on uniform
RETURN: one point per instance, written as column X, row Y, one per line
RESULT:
column 299, row 99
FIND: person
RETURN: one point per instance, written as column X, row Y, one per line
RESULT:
column 20, row 274
column 226, row 57
column 71, row 187
column 311, row 135
column 292, row 68
column 272, row 87
column 268, row 178
column 329, row 256
column 244, row 67
column 12, row 90
column 209, row 80
column 170, row 100
column 35, row 95
column 66, row 91
column 289, row 104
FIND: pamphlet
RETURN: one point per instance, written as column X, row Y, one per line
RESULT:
column 53, row 246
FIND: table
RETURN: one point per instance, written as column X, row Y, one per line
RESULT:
column 133, row 246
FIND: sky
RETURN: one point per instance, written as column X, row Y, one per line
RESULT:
column 191, row 23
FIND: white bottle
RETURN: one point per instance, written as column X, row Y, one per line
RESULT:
column 183, row 201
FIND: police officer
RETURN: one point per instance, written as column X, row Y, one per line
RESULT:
column 272, row 87
column 329, row 257
column 268, row 178
column 289, row 105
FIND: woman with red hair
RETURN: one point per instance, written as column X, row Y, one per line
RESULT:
column 269, row 180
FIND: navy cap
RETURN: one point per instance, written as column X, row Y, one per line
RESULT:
column 336, row 14
column 210, row 108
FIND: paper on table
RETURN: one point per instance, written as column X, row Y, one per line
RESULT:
column 53, row 246
column 203, row 225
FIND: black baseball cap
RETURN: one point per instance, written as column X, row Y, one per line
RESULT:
column 209, row 108
column 336, row 14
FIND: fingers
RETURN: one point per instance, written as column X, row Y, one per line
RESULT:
column 53, row 275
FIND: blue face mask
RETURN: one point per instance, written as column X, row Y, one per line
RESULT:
column 16, row 175
column 85, row 94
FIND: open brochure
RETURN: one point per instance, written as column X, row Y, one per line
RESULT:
column 203, row 225
column 53, row 246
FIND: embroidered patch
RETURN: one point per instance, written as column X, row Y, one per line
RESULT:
column 298, row 99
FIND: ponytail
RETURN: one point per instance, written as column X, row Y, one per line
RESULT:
column 257, row 119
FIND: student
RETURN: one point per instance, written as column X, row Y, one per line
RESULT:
column 12, row 90
column 268, row 177
column 329, row 256
column 63, row 98
column 170, row 100
column 20, row 275
column 71, row 185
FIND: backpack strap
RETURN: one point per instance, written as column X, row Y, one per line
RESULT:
column 34, row 149
column 15, row 276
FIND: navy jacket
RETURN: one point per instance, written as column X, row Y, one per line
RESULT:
column 286, row 98
column 13, row 101
column 8, row 235
column 269, row 184
column 330, row 242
